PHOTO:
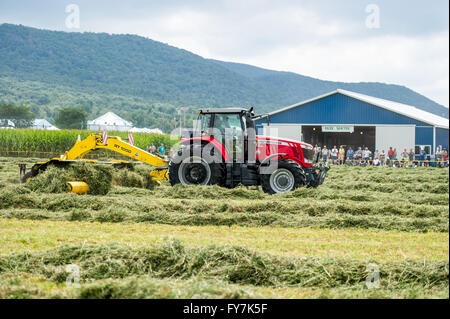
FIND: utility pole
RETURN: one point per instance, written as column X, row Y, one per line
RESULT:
column 180, row 112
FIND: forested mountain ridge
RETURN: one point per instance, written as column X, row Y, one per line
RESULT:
column 146, row 81
column 307, row 87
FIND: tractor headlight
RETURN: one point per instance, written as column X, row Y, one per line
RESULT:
column 308, row 153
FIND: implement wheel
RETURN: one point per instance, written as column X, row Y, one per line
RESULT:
column 26, row 177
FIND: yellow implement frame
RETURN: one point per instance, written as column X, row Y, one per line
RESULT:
column 116, row 144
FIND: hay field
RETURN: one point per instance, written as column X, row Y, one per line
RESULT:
column 146, row 241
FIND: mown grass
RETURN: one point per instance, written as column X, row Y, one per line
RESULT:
column 54, row 180
column 310, row 243
column 24, row 235
column 421, row 205
column 26, row 286
column 232, row 264
column 140, row 205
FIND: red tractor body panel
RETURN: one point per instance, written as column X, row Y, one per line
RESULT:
column 213, row 141
column 265, row 147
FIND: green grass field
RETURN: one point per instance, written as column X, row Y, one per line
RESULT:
column 211, row 242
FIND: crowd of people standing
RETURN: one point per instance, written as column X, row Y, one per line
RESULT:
column 156, row 151
column 362, row 156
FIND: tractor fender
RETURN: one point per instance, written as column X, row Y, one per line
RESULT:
column 266, row 169
column 268, row 158
column 294, row 159
column 282, row 155
column 207, row 139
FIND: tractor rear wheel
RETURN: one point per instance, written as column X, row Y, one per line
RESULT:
column 286, row 177
column 187, row 168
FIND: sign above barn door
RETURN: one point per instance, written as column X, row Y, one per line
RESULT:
column 338, row 128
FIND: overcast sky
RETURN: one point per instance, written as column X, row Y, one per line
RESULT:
column 326, row 39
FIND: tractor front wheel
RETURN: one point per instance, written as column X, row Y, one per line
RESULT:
column 285, row 178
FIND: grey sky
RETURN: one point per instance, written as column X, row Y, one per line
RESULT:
column 326, row 39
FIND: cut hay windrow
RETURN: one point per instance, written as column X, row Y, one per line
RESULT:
column 26, row 286
column 136, row 176
column 353, row 199
column 142, row 205
column 99, row 177
column 231, row 264
column 113, row 215
column 133, row 199
column 54, row 179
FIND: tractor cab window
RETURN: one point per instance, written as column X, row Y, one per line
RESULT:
column 203, row 124
column 229, row 125
column 229, row 128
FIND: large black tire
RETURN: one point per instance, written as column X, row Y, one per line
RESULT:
column 211, row 168
column 285, row 178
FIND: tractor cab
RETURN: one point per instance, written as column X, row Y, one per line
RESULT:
column 234, row 128
column 230, row 121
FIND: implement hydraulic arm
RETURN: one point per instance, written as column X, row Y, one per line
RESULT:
column 115, row 143
column 93, row 142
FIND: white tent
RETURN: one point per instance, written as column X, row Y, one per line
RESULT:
column 43, row 124
column 109, row 122
column 4, row 123
column 146, row 130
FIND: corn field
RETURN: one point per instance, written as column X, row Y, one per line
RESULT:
column 27, row 141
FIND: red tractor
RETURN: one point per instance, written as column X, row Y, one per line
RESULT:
column 223, row 149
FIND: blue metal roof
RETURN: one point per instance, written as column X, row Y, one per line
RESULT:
column 339, row 108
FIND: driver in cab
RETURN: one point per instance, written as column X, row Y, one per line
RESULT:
column 229, row 134
column 221, row 124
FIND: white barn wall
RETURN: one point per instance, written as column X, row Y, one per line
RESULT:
column 396, row 136
column 292, row 131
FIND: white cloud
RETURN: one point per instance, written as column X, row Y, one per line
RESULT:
column 291, row 38
column 322, row 39
column 231, row 33
column 421, row 63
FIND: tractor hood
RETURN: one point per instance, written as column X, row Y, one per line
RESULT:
column 262, row 138
column 301, row 152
